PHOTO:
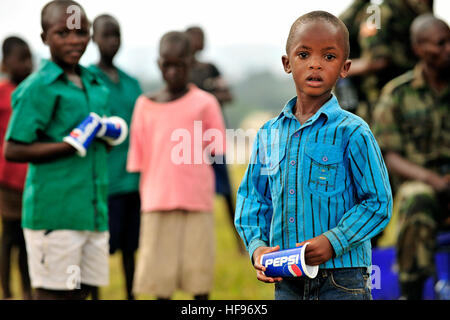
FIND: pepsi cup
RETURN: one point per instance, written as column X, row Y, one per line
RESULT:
column 83, row 135
column 288, row 263
column 114, row 130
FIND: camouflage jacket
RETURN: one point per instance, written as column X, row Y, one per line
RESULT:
column 391, row 41
column 413, row 120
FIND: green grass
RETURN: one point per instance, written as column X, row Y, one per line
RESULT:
column 234, row 277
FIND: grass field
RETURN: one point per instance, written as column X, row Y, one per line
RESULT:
column 235, row 277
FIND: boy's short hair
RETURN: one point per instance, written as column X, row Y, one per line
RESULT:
column 316, row 16
column 10, row 43
column 58, row 4
column 102, row 17
column 176, row 37
column 194, row 29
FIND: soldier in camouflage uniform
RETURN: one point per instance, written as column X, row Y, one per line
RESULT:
column 412, row 126
column 385, row 51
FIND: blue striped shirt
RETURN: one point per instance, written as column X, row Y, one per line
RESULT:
column 326, row 176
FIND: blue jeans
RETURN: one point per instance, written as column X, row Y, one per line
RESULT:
column 330, row 284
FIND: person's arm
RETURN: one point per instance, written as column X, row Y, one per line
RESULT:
column 254, row 203
column 254, row 210
column 32, row 108
column 406, row 169
column 37, row 152
column 134, row 157
column 214, row 126
column 371, row 182
column 364, row 66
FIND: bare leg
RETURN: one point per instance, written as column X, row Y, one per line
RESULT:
column 23, row 268
column 5, row 260
column 128, row 268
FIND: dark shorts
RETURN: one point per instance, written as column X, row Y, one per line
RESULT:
column 124, row 222
column 222, row 180
column 12, row 233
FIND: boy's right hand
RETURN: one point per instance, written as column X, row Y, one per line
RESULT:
column 81, row 137
column 260, row 268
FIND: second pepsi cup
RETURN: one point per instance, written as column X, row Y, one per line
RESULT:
column 288, row 263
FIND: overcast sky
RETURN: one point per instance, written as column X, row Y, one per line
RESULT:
column 232, row 23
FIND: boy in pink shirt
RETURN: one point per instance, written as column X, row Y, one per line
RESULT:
column 175, row 135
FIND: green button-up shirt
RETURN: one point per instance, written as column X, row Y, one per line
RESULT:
column 70, row 192
column 122, row 97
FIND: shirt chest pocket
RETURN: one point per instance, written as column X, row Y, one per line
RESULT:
column 275, row 169
column 323, row 169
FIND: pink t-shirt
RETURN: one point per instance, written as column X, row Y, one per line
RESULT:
column 167, row 146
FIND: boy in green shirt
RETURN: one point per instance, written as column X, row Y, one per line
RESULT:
column 65, row 217
column 123, row 201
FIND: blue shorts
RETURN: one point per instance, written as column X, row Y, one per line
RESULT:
column 124, row 222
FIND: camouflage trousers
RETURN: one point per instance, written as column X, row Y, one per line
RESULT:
column 418, row 209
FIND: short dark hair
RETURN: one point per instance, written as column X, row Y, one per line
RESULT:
column 421, row 25
column 315, row 16
column 102, row 17
column 194, row 29
column 10, row 43
column 58, row 4
column 176, row 37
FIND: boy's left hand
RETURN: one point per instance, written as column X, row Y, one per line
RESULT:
column 318, row 251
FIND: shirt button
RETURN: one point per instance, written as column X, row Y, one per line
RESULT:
column 296, row 135
column 291, row 219
column 292, row 191
column 292, row 162
column 325, row 159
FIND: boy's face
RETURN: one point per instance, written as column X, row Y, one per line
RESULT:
column 316, row 58
column 175, row 66
column 18, row 64
column 435, row 49
column 66, row 45
column 107, row 37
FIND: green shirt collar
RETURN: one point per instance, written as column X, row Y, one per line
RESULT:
column 53, row 72
column 96, row 70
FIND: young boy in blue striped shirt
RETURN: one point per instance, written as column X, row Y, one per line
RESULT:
column 316, row 174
